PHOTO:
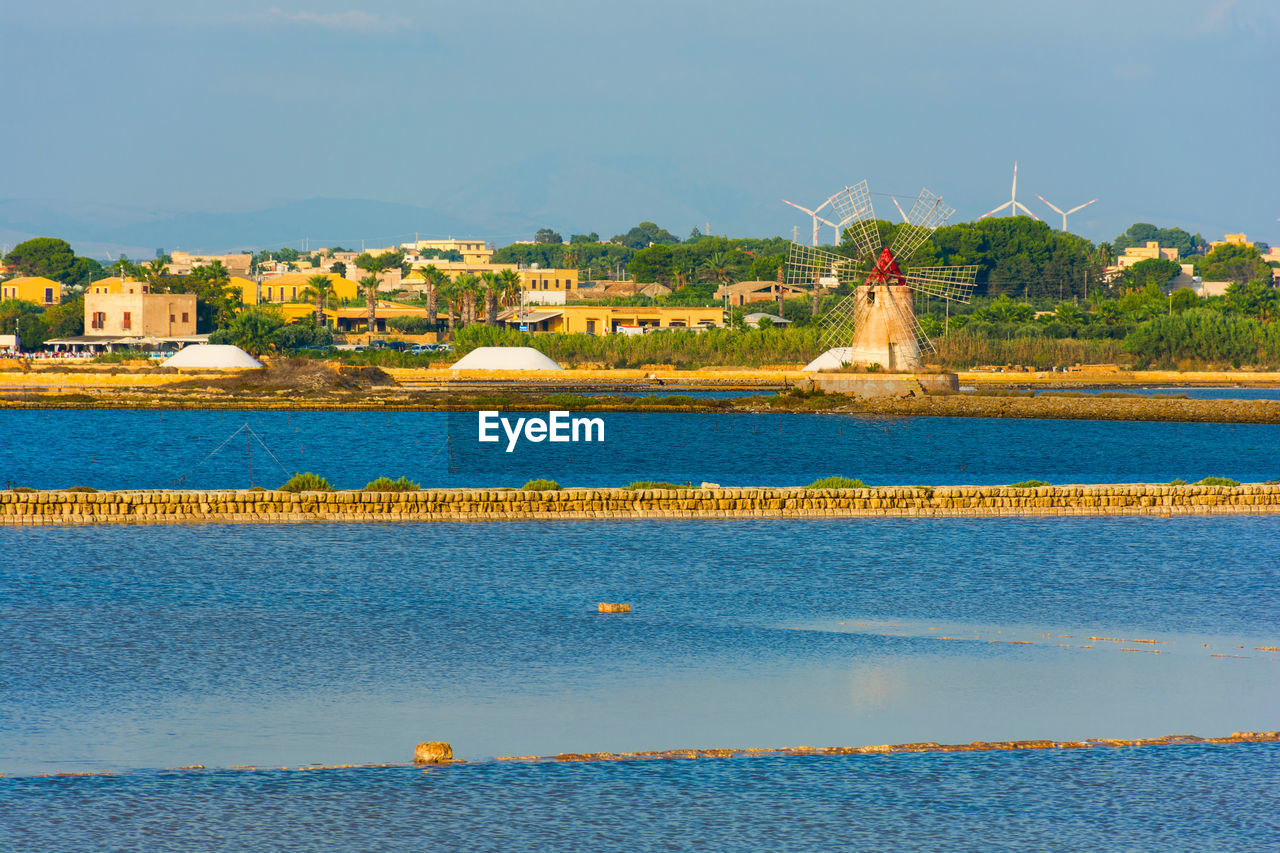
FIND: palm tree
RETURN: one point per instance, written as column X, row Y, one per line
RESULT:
column 155, row 271
column 467, row 286
column 512, row 289
column 492, row 287
column 320, row 288
column 449, row 292
column 435, row 280
column 370, row 285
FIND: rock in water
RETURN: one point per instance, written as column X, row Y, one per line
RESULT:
column 607, row 607
column 432, row 752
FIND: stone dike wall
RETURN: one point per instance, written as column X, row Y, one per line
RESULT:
column 163, row 507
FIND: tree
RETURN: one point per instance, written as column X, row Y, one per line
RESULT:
column 646, row 234
column 369, row 284
column 1233, row 262
column 575, row 239
column 651, row 264
column 492, row 288
column 216, row 301
column 512, row 288
column 319, row 288
column 66, row 319
column 23, row 319
column 435, row 279
column 156, row 272
column 375, row 266
column 43, row 256
column 1157, row 271
column 1140, row 233
column 546, row 235
column 253, row 330
column 338, row 268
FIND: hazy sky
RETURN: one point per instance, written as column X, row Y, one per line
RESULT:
column 593, row 116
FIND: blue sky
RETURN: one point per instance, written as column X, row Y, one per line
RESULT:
column 589, row 116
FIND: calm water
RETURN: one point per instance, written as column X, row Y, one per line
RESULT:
column 225, row 645
column 1185, row 798
column 111, row 450
column 1226, row 392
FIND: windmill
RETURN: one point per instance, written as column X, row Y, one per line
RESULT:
column 876, row 323
column 1066, row 214
column 816, row 218
column 1013, row 204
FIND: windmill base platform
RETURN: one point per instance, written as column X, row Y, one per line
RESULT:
column 883, row 384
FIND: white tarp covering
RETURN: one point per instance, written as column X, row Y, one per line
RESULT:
column 505, row 358
column 832, row 359
column 212, row 356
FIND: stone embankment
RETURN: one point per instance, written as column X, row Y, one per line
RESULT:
column 151, row 507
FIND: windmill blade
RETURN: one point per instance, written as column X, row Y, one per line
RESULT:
column 927, row 214
column 1078, row 207
column 1055, row 207
column 907, row 325
column 837, row 326
column 825, row 222
column 856, row 215
column 954, row 283
column 1017, row 205
column 997, row 210
column 807, row 266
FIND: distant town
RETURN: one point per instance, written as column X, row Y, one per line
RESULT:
column 1032, row 282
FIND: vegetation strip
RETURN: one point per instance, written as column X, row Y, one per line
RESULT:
column 751, row 752
column 544, row 501
column 997, row 405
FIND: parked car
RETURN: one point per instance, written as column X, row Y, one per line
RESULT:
column 422, row 349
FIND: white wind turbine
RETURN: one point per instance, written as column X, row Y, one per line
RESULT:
column 1013, row 204
column 1067, row 213
column 816, row 218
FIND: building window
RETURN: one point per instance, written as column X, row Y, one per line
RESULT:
column 184, row 317
column 48, row 296
column 295, row 293
column 99, row 320
column 171, row 318
column 128, row 321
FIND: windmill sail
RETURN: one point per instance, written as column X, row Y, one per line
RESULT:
column 954, row 283
column 857, row 219
column 927, row 213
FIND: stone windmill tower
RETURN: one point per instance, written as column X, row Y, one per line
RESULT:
column 876, row 323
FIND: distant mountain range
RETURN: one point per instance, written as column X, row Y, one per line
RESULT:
column 98, row 230
column 607, row 195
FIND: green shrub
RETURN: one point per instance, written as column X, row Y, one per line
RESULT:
column 307, row 482
column 653, row 484
column 837, row 483
column 386, row 484
column 1029, row 484
column 541, row 485
column 1218, row 481
column 567, row 401
column 84, row 489
column 24, row 490
column 1178, row 482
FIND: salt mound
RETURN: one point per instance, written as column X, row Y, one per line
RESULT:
column 215, row 356
column 832, row 359
column 505, row 358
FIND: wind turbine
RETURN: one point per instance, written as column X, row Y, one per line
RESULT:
column 1068, row 213
column 816, row 218
column 1013, row 204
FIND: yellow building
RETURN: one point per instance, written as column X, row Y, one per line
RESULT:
column 1230, row 240
column 182, row 263
column 610, row 319
column 549, row 279
column 291, row 287
column 113, row 284
column 1150, row 252
column 32, row 288
column 472, row 251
